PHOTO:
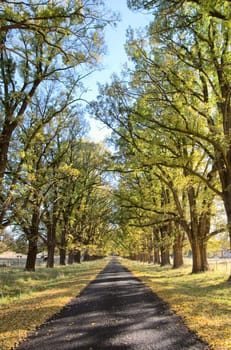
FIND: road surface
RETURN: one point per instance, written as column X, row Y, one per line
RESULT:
column 117, row 312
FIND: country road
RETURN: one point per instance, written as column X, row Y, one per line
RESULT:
column 116, row 311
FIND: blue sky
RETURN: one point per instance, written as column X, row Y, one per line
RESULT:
column 115, row 57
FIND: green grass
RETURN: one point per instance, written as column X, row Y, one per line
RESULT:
column 27, row 299
column 203, row 300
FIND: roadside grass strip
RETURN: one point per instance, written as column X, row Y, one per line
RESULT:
column 202, row 300
column 29, row 299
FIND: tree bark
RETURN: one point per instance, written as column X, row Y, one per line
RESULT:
column 31, row 255
column 50, row 254
column 62, row 256
column 51, row 241
column 156, row 256
column 77, row 256
column 196, row 257
column 178, row 260
column 63, row 247
column 165, row 257
column 70, row 260
column 33, row 241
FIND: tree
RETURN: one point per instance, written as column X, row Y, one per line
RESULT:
column 41, row 42
column 86, row 217
column 6, row 242
column 146, row 138
column 198, row 35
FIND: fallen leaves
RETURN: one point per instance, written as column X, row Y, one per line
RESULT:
column 20, row 316
column 203, row 300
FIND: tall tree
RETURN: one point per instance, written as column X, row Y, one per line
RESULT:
column 198, row 35
column 40, row 42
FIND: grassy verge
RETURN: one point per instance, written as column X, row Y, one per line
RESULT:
column 203, row 300
column 28, row 299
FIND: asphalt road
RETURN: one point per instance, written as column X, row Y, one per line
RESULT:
column 116, row 311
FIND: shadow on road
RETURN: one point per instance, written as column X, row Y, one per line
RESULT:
column 116, row 311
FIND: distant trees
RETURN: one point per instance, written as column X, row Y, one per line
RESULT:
column 62, row 196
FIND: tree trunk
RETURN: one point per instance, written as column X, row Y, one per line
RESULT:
column 50, row 254
column 5, row 138
column 199, row 254
column 33, row 241
column 156, row 244
column 204, row 259
column 51, row 243
column 77, row 256
column 62, row 256
column 70, row 260
column 31, row 255
column 178, row 250
column 165, row 232
column 156, row 257
column 165, row 257
column 227, row 205
column 62, row 248
column 196, row 257
column 225, row 178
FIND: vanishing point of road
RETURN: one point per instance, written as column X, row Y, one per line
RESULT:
column 115, row 312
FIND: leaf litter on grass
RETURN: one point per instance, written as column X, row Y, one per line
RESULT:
column 202, row 300
column 20, row 316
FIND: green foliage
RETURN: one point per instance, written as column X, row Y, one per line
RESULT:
column 6, row 241
column 44, row 49
column 169, row 120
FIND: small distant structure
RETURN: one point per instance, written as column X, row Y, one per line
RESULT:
column 226, row 253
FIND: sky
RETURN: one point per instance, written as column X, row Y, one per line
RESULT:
column 115, row 57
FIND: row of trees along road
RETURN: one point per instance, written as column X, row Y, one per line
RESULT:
column 51, row 182
column 171, row 119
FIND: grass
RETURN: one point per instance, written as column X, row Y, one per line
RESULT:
column 28, row 299
column 203, row 300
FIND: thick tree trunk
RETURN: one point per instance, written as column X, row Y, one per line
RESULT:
column 50, row 254
column 31, row 255
column 165, row 232
column 200, row 227
column 150, row 257
column 204, row 258
column 227, row 205
column 70, row 259
column 156, row 244
column 165, row 257
column 77, row 256
column 51, row 243
column 62, row 256
column 33, row 241
column 156, row 256
column 5, row 138
column 178, row 260
column 196, row 257
column 225, row 178
column 199, row 254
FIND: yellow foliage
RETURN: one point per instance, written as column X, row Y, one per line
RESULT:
column 69, row 170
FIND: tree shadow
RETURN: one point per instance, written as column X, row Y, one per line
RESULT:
column 115, row 311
